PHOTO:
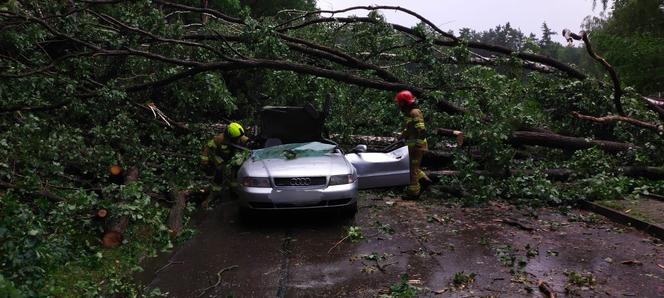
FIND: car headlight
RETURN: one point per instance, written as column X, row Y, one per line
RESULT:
column 256, row 182
column 342, row 179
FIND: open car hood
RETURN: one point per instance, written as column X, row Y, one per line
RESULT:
column 291, row 124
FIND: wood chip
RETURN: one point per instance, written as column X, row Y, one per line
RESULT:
column 632, row 262
column 414, row 282
column 546, row 289
column 438, row 219
column 515, row 223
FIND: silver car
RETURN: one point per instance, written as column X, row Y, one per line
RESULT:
column 299, row 169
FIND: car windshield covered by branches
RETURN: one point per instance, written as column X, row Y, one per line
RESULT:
column 298, row 168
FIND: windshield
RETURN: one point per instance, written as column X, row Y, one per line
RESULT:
column 294, row 150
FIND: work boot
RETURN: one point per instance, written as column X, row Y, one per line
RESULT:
column 412, row 193
column 424, row 184
column 424, row 181
column 410, row 197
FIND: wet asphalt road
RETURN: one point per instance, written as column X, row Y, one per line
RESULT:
column 509, row 250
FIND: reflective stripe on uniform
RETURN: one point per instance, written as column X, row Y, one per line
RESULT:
column 413, row 189
column 416, row 142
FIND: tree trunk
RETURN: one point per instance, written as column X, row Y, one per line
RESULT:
column 176, row 214
column 565, row 142
column 653, row 173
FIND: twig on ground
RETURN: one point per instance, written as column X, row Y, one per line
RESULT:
column 632, row 262
column 337, row 244
column 218, row 279
column 517, row 224
column 546, row 289
column 167, row 265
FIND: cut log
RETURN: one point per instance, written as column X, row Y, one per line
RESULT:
column 113, row 235
column 116, row 174
column 114, row 231
column 518, row 138
column 546, row 289
column 176, row 214
column 101, row 213
column 564, row 142
column 652, row 173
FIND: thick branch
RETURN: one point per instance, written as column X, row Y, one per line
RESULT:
column 373, row 8
column 617, row 91
column 113, row 21
column 42, row 192
column 474, row 45
column 314, row 50
column 298, row 68
column 213, row 12
column 35, row 109
column 614, row 118
column 565, row 142
column 655, row 105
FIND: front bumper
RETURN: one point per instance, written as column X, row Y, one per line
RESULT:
column 265, row 198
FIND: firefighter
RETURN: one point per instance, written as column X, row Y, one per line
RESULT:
column 414, row 135
column 223, row 155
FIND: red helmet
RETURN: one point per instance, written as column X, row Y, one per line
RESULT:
column 404, row 98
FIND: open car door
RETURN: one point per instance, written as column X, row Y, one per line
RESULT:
column 381, row 169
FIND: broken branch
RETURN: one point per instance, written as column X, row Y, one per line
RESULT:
column 229, row 268
column 614, row 118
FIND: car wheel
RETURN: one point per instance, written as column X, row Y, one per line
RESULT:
column 349, row 211
column 247, row 214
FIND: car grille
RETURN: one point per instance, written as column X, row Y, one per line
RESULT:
column 265, row 205
column 300, row 181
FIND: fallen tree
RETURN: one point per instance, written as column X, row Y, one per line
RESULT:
column 96, row 83
column 176, row 214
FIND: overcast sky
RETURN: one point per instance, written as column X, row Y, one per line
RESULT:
column 480, row 15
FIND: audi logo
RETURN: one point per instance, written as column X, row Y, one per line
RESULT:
column 300, row 181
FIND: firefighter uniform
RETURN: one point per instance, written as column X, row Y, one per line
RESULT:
column 222, row 159
column 414, row 134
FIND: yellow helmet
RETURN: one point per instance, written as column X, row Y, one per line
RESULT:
column 234, row 130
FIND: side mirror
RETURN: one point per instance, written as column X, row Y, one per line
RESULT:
column 359, row 149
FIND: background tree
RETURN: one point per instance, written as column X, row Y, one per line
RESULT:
column 632, row 38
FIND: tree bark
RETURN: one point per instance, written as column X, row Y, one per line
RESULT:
column 565, row 142
column 615, row 118
column 651, row 173
column 175, row 217
column 517, row 138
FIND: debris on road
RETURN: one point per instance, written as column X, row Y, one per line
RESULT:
column 229, row 268
column 631, row 262
column 516, row 223
column 546, row 289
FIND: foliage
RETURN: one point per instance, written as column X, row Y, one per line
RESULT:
column 463, row 280
column 354, row 233
column 631, row 38
column 402, row 289
column 580, row 279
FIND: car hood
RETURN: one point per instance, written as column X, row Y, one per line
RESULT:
column 330, row 164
